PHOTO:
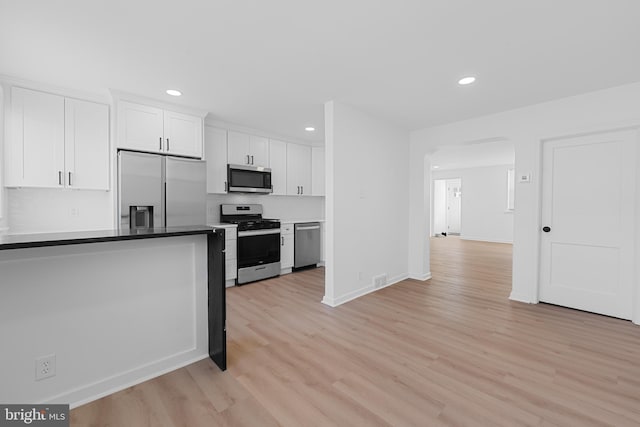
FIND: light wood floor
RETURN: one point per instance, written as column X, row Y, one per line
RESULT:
column 451, row 351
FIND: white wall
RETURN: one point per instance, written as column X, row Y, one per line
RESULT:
column 35, row 210
column 484, row 203
column 4, row 223
column 278, row 207
column 367, row 201
column 527, row 128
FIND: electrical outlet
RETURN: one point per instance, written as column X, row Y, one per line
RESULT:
column 75, row 211
column 45, row 367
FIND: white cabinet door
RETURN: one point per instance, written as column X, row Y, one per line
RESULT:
column 86, row 145
column 215, row 151
column 259, row 151
column 286, row 251
column 37, row 143
column 298, row 169
column 278, row 162
column 317, row 171
column 238, row 146
column 140, row 127
column 182, row 134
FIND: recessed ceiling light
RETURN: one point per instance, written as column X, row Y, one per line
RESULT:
column 173, row 92
column 436, row 167
column 466, row 80
column 310, row 129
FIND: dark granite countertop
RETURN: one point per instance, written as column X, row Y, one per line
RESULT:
column 18, row 241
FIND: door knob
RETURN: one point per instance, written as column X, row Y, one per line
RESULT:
column 546, row 229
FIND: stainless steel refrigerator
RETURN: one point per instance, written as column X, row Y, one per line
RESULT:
column 160, row 191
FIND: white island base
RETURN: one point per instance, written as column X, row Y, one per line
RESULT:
column 113, row 313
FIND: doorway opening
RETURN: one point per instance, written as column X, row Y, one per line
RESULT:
column 472, row 207
column 447, row 206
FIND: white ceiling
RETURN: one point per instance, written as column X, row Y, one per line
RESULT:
column 272, row 64
column 475, row 155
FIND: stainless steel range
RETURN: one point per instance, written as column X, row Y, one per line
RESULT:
column 258, row 242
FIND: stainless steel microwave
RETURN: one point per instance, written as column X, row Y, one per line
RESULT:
column 249, row 179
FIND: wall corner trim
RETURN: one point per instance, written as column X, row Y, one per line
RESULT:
column 362, row 291
column 422, row 277
column 521, row 298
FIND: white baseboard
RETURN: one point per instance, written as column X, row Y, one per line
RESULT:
column 520, row 298
column 229, row 283
column 89, row 393
column 482, row 239
column 350, row 296
column 423, row 277
column 321, row 264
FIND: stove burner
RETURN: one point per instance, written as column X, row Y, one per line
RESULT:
column 247, row 217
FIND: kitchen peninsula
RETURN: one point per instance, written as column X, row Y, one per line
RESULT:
column 110, row 308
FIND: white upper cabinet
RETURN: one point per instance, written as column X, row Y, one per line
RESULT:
column 238, row 148
column 317, row 171
column 86, row 145
column 57, row 142
column 215, row 152
column 259, row 151
column 151, row 129
column 35, row 154
column 298, row 170
column 278, row 162
column 182, row 134
column 140, row 127
column 245, row 149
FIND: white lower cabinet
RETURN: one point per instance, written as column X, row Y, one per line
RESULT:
column 231, row 255
column 286, row 248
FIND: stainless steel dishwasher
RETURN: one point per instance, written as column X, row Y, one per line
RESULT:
column 306, row 244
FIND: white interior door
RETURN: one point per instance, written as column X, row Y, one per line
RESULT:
column 439, row 206
column 587, row 246
column 454, row 198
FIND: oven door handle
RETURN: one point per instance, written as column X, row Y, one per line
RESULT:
column 258, row 232
column 313, row 227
